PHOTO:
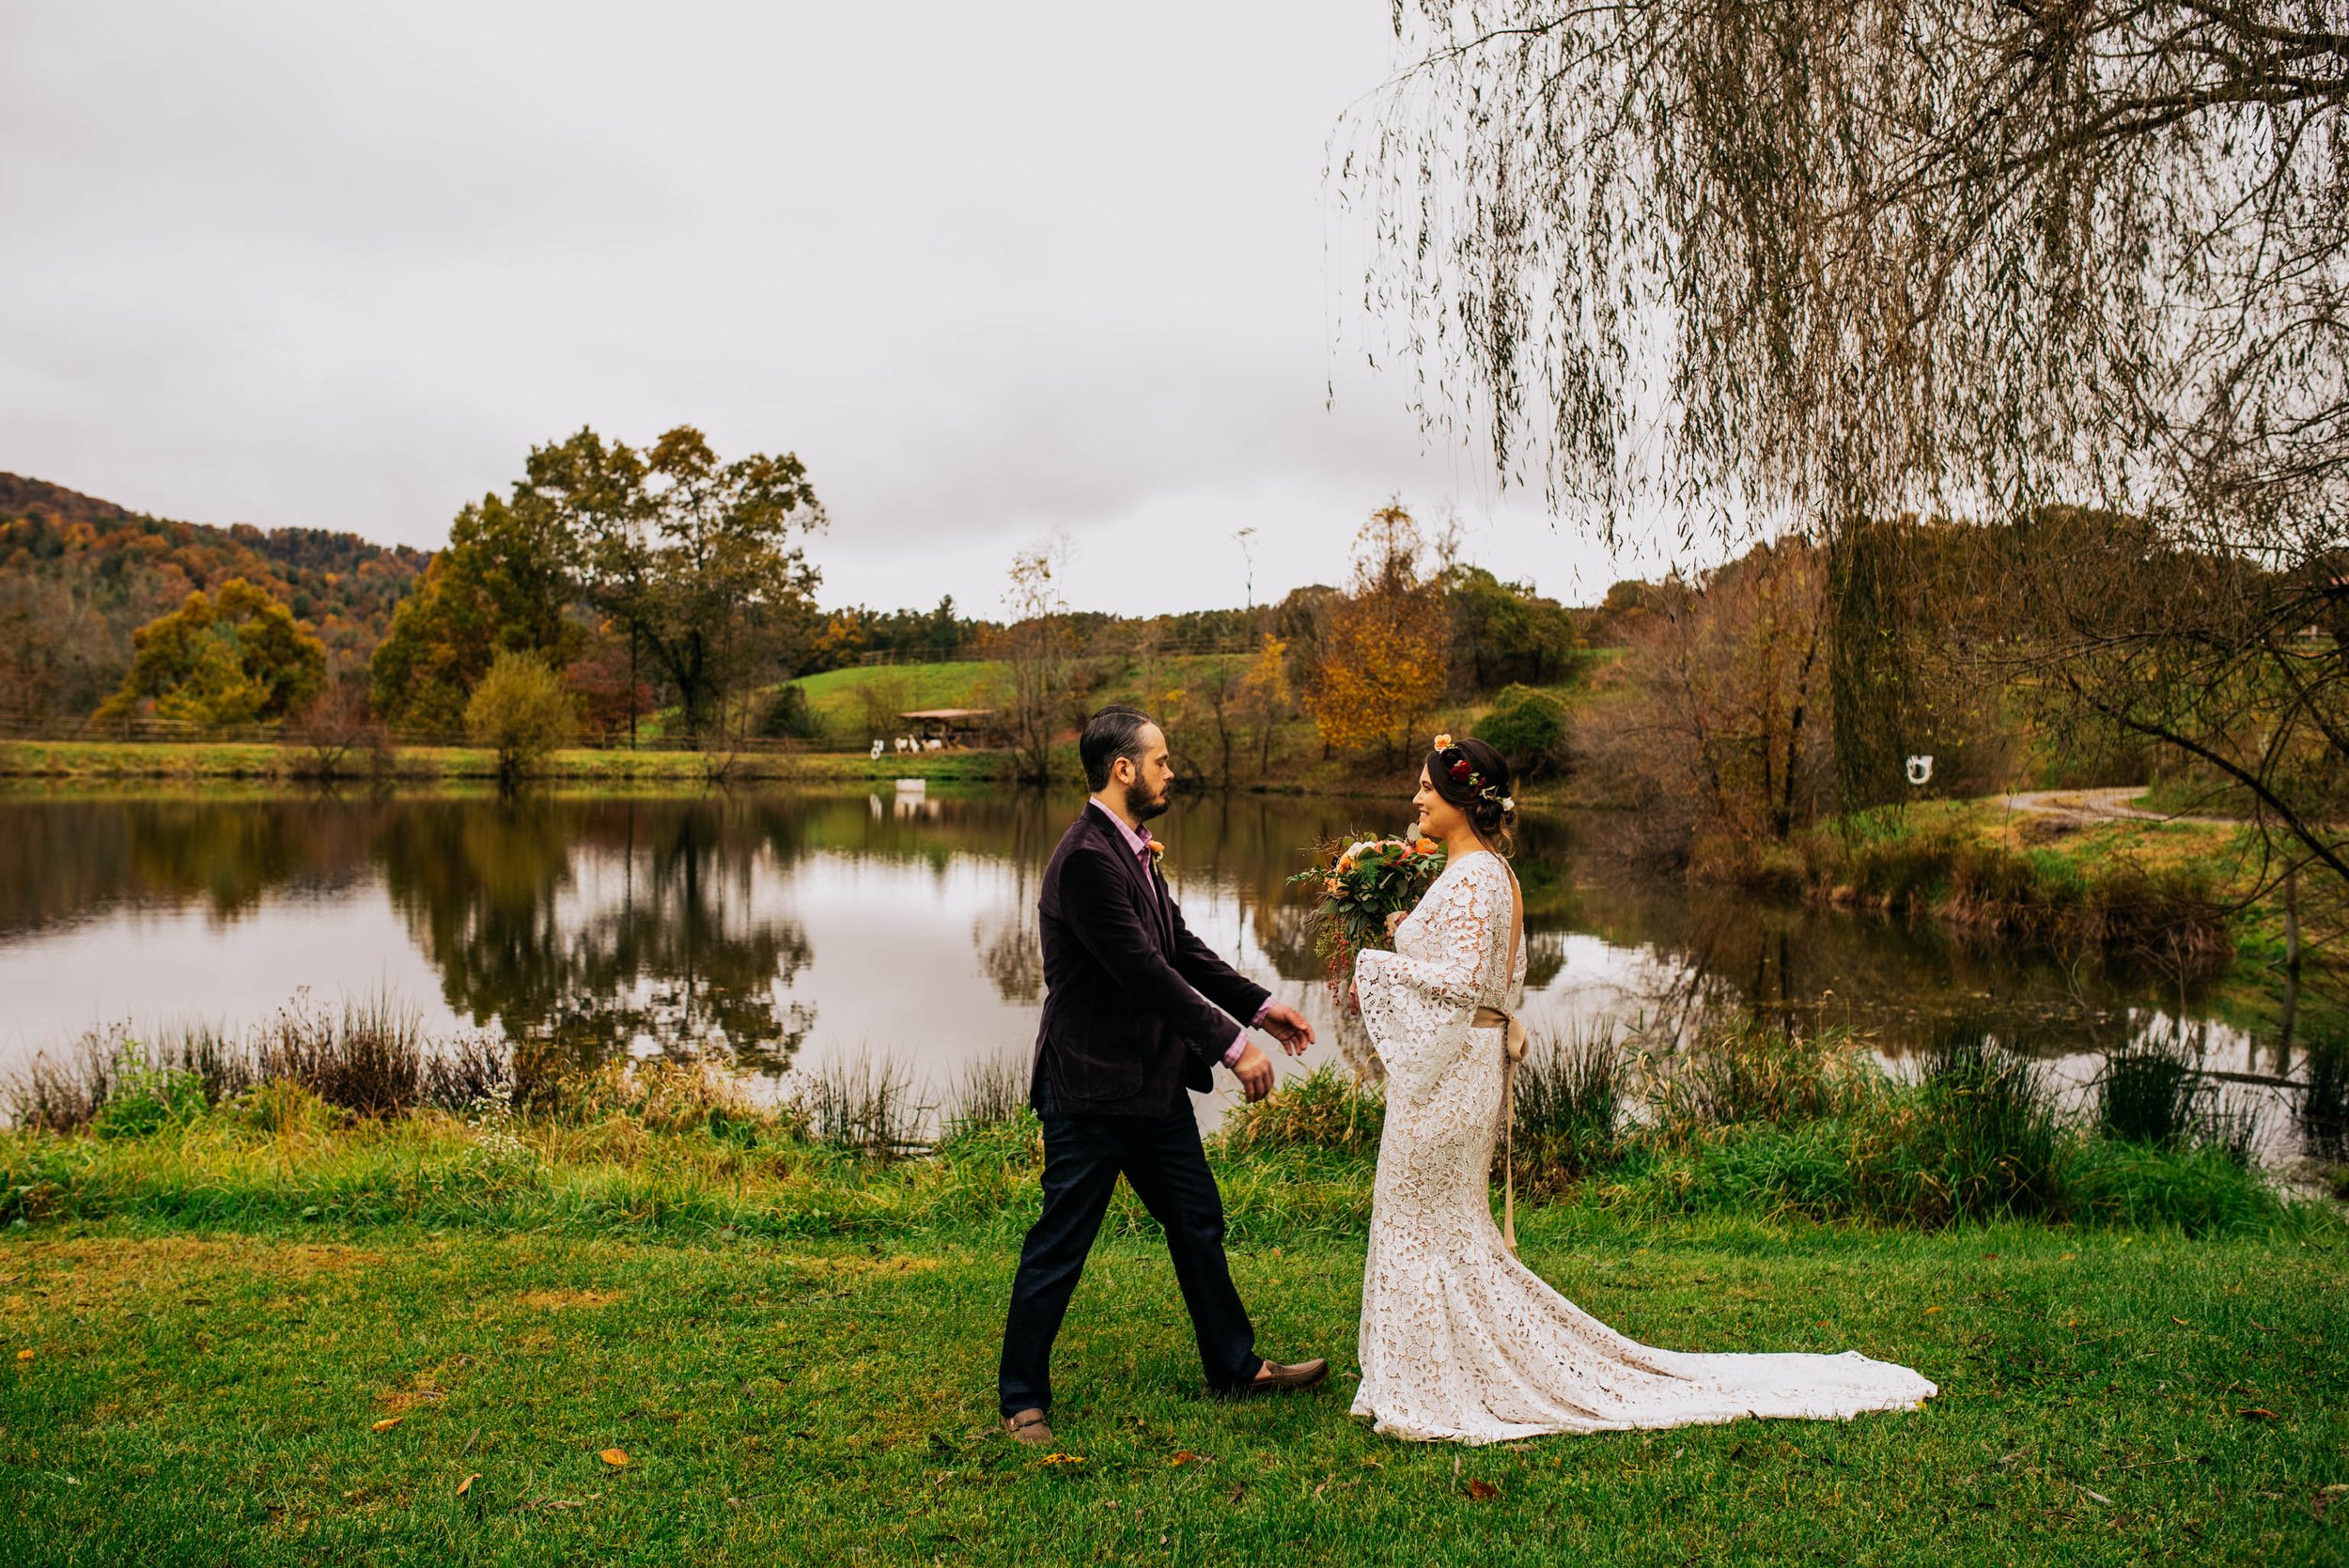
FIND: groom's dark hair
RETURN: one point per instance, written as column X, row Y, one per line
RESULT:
column 1112, row 733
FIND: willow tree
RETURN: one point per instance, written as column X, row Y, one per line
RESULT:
column 1816, row 262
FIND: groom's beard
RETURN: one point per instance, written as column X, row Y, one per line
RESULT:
column 1144, row 807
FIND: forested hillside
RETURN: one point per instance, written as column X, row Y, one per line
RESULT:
column 78, row 575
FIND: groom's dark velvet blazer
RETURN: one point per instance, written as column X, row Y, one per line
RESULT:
column 1136, row 1007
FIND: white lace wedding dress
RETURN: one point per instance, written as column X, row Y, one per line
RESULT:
column 1459, row 1340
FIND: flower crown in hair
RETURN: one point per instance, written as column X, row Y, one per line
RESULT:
column 1460, row 770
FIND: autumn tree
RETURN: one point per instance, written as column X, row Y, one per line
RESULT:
column 503, row 584
column 1384, row 656
column 239, row 657
column 1725, row 730
column 1265, row 696
column 1504, row 633
column 696, row 559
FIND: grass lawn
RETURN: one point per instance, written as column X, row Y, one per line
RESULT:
column 198, row 1369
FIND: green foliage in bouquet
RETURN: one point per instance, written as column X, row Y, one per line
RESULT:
column 1361, row 887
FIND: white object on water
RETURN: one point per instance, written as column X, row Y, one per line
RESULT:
column 1920, row 770
column 913, row 786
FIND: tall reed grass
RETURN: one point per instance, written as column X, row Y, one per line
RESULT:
column 2154, row 1091
column 1570, row 1095
column 993, row 1092
column 2322, row 1108
column 865, row 1105
column 369, row 1056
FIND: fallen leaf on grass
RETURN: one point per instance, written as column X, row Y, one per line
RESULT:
column 388, row 1423
column 1237, row 1492
column 1064, row 1459
column 614, row 1457
column 2259, row 1413
column 2097, row 1497
column 23, row 1355
column 2179, row 1321
column 466, row 1485
column 1481, row 1491
column 1184, row 1456
column 1930, row 1311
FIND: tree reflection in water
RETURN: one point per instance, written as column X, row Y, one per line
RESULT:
column 592, row 929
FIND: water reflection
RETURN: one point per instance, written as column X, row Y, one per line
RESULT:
column 782, row 927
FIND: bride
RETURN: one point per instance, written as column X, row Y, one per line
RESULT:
column 1459, row 1340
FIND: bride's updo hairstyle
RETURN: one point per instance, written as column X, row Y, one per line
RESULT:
column 1473, row 776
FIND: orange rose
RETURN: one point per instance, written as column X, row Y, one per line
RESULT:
column 1333, row 887
column 1345, row 863
column 1428, row 846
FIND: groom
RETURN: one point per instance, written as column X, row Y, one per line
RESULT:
column 1135, row 1010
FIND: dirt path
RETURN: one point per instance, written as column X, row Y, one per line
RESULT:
column 2098, row 805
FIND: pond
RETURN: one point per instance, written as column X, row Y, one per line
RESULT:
column 793, row 929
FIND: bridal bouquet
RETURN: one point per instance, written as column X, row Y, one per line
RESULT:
column 1363, row 887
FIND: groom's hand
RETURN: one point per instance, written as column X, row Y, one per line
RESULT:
column 1255, row 1073
column 1288, row 1026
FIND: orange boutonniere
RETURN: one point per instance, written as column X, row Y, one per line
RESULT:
column 1158, row 851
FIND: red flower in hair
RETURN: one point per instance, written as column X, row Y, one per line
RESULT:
column 1459, row 769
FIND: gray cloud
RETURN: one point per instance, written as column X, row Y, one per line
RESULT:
column 989, row 272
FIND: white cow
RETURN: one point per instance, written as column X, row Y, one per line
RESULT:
column 933, row 744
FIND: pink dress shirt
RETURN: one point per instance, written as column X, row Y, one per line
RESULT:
column 1139, row 841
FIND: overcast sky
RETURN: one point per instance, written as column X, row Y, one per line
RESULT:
column 989, row 270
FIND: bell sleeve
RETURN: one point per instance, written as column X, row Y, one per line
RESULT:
column 1417, row 1007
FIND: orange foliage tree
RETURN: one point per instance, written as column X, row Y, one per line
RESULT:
column 1384, row 658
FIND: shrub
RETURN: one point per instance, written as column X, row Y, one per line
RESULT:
column 1324, row 1109
column 788, row 716
column 519, row 710
column 143, row 1100
column 1528, row 727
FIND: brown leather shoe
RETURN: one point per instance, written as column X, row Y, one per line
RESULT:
column 1029, row 1426
column 1274, row 1377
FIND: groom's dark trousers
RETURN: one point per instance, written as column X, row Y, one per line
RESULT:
column 1135, row 1010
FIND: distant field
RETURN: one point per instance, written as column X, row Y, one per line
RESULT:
column 836, row 696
